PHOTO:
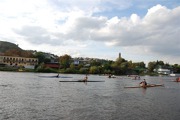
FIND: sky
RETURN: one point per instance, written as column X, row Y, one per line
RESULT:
column 141, row 30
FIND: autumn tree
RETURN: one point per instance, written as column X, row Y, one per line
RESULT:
column 65, row 61
column 18, row 53
column 13, row 52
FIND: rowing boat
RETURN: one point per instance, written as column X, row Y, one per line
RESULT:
column 149, row 85
column 80, row 81
column 175, row 81
column 55, row 77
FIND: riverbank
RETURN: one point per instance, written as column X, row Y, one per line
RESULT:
column 63, row 71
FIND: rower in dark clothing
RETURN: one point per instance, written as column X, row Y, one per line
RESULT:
column 143, row 83
column 86, row 78
column 57, row 75
column 109, row 75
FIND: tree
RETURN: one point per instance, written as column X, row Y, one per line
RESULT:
column 151, row 66
column 120, row 66
column 94, row 70
column 124, row 66
column 119, row 61
column 161, row 63
column 13, row 52
column 72, row 66
column 18, row 53
column 95, row 63
column 65, row 61
column 130, row 64
column 176, row 68
column 41, row 57
column 83, row 70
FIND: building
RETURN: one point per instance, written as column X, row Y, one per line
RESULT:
column 174, row 74
column 52, row 65
column 119, row 55
column 163, row 71
column 83, row 61
column 19, row 61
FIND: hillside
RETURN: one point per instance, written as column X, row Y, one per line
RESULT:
column 6, row 46
column 11, row 49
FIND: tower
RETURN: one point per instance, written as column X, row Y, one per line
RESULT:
column 119, row 55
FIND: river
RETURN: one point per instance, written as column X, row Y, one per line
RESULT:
column 35, row 96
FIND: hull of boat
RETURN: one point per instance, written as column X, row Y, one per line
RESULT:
column 81, row 81
column 55, row 77
column 175, row 81
column 147, row 86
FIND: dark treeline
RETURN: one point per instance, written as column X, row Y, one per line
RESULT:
column 98, row 66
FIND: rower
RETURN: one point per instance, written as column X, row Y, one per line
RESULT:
column 178, row 79
column 57, row 75
column 143, row 83
column 86, row 78
column 109, row 75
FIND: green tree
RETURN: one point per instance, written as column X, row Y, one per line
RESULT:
column 72, row 66
column 119, row 66
column 151, row 66
column 124, row 66
column 79, row 66
column 65, row 61
column 95, row 63
column 119, row 61
column 41, row 57
column 47, row 60
column 176, row 68
column 83, row 70
column 94, row 70
column 160, row 63
column 130, row 65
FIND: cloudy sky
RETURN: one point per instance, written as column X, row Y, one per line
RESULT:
column 141, row 30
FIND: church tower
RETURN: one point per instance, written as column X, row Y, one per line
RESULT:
column 119, row 55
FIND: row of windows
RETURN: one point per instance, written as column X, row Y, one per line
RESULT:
column 9, row 59
column 20, row 62
column 13, row 59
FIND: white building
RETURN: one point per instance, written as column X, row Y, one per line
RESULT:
column 19, row 61
column 163, row 71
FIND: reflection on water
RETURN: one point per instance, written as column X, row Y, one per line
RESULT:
column 27, row 96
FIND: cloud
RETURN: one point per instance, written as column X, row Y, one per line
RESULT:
column 62, row 24
column 36, row 35
column 158, row 28
column 155, row 32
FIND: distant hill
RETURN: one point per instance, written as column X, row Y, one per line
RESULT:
column 11, row 49
column 6, row 46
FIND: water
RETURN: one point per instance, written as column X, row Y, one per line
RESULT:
column 27, row 96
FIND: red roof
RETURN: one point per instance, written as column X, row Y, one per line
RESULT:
column 52, row 65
